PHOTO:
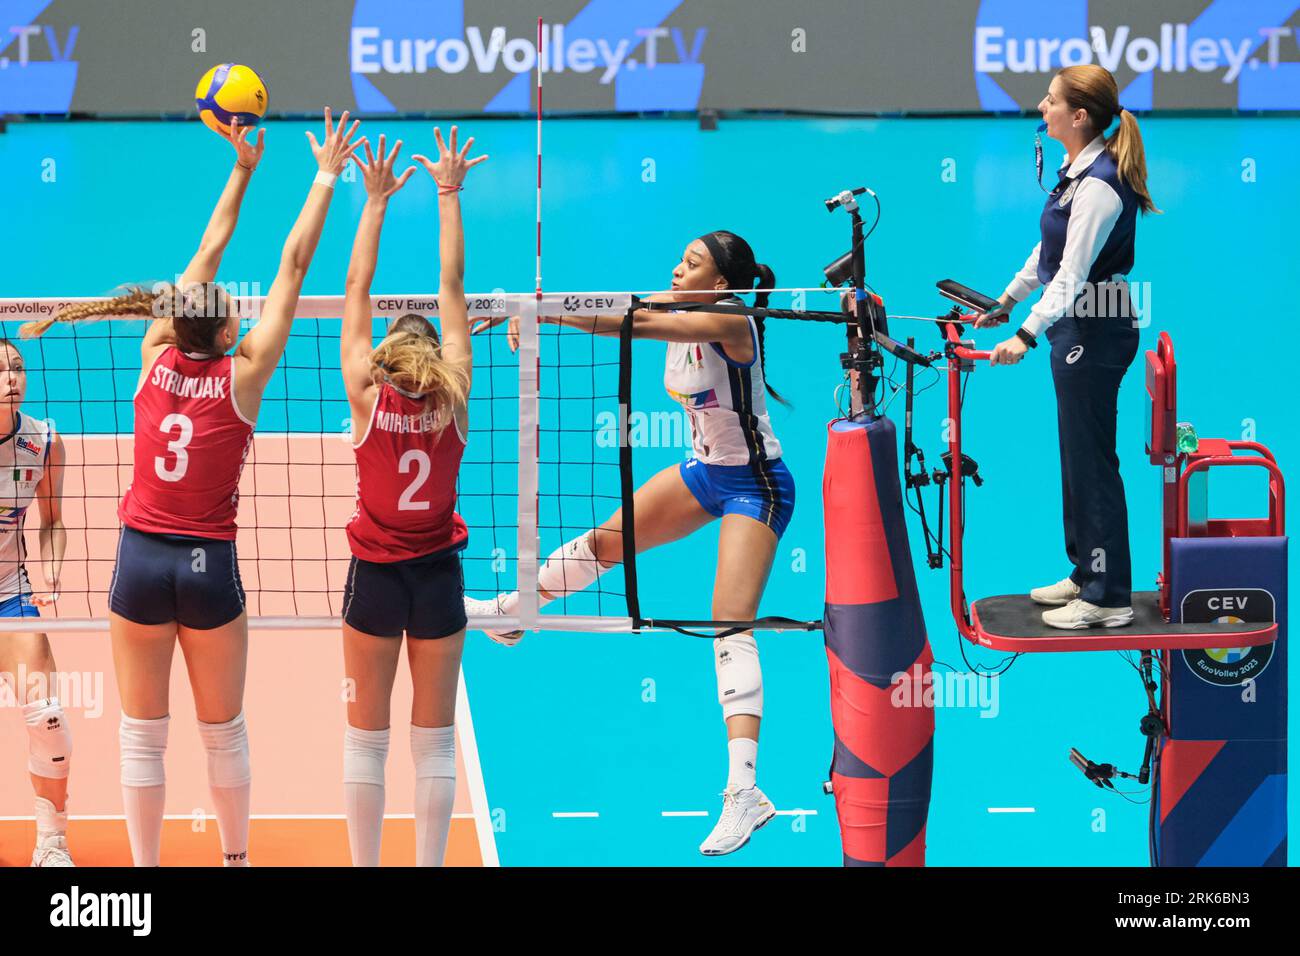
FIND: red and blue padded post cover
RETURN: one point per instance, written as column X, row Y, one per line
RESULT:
column 879, row 656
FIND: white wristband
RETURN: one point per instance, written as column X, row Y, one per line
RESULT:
column 325, row 179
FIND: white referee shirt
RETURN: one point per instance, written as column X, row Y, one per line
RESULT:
column 1095, row 209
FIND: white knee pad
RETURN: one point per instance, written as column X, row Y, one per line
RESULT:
column 364, row 754
column 433, row 750
column 143, row 744
column 227, row 746
column 572, row 567
column 740, row 679
column 49, row 739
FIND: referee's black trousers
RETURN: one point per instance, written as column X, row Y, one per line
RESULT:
column 1089, row 359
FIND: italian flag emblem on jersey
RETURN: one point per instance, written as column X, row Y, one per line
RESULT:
column 23, row 474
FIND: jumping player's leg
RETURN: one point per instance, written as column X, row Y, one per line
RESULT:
column 217, row 661
column 665, row 511
column 746, row 549
column 370, row 665
column 29, row 663
column 435, row 673
column 142, row 662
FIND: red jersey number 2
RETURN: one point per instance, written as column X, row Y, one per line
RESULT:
column 420, row 460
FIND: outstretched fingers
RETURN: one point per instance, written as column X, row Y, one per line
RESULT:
column 392, row 156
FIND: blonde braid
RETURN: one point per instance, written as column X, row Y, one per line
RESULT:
column 137, row 301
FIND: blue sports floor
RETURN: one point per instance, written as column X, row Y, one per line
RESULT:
column 628, row 727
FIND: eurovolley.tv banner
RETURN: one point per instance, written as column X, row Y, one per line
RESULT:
column 143, row 57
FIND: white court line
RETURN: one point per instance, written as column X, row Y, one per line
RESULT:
column 705, row 813
column 1012, row 810
column 487, row 841
column 251, row 816
column 575, row 815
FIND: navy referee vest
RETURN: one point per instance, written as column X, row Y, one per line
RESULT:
column 1116, row 256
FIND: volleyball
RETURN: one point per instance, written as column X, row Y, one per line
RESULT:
column 230, row 91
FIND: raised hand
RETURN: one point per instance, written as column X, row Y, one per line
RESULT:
column 452, row 165
column 512, row 330
column 377, row 171
column 247, row 154
column 333, row 155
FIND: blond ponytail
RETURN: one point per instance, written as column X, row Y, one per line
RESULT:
column 412, row 362
column 1093, row 89
column 1125, row 145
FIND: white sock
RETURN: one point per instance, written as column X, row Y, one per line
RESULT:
column 144, row 790
column 143, row 807
column 49, row 822
column 433, row 750
column 364, row 754
column 229, row 782
column 742, row 754
column 568, row 569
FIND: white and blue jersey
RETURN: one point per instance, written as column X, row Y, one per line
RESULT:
column 724, row 399
column 736, row 464
column 24, row 455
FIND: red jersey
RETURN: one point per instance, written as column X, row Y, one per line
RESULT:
column 406, row 482
column 190, row 444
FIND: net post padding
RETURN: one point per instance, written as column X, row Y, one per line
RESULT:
column 877, row 651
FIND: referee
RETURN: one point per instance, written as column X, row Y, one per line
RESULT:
column 1082, row 261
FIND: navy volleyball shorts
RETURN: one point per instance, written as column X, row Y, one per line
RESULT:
column 162, row 578
column 422, row 597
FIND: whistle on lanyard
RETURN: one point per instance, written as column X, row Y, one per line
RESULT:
column 1038, row 153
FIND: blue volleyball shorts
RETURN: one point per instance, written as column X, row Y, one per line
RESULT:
column 19, row 605
column 763, row 491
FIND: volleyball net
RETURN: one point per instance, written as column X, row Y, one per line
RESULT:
column 548, row 458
